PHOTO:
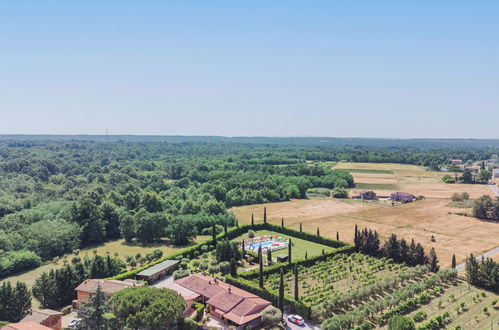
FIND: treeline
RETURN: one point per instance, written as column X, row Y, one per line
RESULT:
column 486, row 208
column 367, row 241
column 56, row 288
column 483, row 273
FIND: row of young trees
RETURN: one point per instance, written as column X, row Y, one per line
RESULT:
column 367, row 241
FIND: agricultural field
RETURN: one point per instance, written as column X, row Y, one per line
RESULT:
column 419, row 220
column 298, row 248
column 385, row 178
column 337, row 275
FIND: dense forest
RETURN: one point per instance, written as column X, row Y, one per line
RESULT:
column 59, row 195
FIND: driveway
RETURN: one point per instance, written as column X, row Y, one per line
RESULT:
column 163, row 281
column 307, row 326
column 494, row 189
column 487, row 254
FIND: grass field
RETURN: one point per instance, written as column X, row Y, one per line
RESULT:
column 385, row 178
column 419, row 220
column 298, row 248
column 112, row 247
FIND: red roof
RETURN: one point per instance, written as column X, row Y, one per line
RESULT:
column 238, row 305
column 107, row 286
column 25, row 326
column 40, row 316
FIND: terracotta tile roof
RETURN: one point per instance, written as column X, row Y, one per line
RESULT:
column 40, row 316
column 107, row 286
column 186, row 293
column 238, row 305
column 25, row 326
column 225, row 300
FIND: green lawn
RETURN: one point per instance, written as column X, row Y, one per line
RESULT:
column 299, row 246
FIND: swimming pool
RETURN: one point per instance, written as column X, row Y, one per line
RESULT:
column 265, row 245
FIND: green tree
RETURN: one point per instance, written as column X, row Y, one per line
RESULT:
column 151, row 227
column 44, row 290
column 264, row 215
column 289, row 250
column 399, row 322
column 271, row 316
column 93, row 318
column 147, row 308
column 433, row 261
column 296, row 283
column 151, row 202
column 260, row 269
column 453, row 266
column 180, row 230
column 127, row 227
column 280, row 303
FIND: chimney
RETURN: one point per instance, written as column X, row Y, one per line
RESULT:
column 230, row 291
column 209, row 282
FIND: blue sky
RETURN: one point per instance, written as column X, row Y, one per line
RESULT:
column 246, row 68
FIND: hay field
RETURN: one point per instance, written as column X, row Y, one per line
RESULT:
column 408, row 178
column 419, row 220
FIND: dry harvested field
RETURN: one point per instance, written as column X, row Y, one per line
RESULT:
column 419, row 220
column 408, row 178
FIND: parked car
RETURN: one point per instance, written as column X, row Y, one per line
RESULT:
column 296, row 319
column 74, row 323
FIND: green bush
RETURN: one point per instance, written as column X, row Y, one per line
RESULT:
column 399, row 322
column 18, row 261
column 66, row 310
column 181, row 273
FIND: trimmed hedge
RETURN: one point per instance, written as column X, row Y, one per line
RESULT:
column 233, row 233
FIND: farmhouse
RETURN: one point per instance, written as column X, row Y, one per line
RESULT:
column 456, row 161
column 87, row 289
column 495, row 173
column 158, row 271
column 233, row 305
column 367, row 195
column 46, row 317
column 402, row 197
column 25, row 326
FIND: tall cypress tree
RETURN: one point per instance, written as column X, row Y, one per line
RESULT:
column 453, row 261
column 214, row 235
column 252, row 219
column 306, row 255
column 233, row 267
column 296, row 282
column 280, row 302
column 337, row 236
column 289, row 250
column 264, row 215
column 237, row 223
column 356, row 238
column 259, row 253
column 244, row 249
column 260, row 273
column 269, row 256
column 433, row 261
column 282, row 222
column 301, row 228
column 318, row 232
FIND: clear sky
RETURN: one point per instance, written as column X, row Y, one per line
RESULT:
column 246, row 68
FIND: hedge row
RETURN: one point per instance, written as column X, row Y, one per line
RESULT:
column 232, row 233
column 297, row 307
column 274, row 268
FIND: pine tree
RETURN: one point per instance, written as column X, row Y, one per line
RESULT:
column 296, row 282
column 264, row 215
column 301, row 227
column 453, row 261
column 433, row 261
column 7, row 308
column 44, row 290
column 289, row 250
column 214, row 235
column 93, row 318
column 260, row 273
column 282, row 222
column 280, row 303
column 318, row 232
column 337, row 236
column 252, row 219
column 22, row 301
column 472, row 270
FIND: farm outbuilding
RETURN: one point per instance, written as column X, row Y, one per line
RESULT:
column 282, row 258
column 367, row 195
column 402, row 197
column 158, row 271
column 495, row 173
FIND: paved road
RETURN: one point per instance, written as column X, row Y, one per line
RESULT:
column 494, row 189
column 307, row 326
column 486, row 254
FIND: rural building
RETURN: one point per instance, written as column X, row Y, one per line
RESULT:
column 456, row 161
column 87, row 289
column 367, row 195
column 46, row 317
column 282, row 257
column 158, row 271
column 401, row 197
column 495, row 173
column 25, row 326
column 233, row 305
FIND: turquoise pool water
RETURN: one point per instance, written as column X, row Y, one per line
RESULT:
column 264, row 245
